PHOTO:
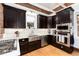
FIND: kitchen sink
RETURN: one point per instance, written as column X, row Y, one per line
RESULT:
column 33, row 38
column 33, row 35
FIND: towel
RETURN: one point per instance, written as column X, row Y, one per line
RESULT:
column 62, row 38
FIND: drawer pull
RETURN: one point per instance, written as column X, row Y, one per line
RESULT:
column 23, row 40
column 61, row 46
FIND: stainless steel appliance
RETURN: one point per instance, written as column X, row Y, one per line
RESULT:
column 63, row 34
column 43, row 41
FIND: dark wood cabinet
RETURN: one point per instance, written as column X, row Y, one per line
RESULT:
column 64, row 16
column 46, row 21
column 13, row 17
column 42, row 21
column 34, row 45
column 26, row 46
column 52, row 21
column 51, row 39
column 64, row 48
column 23, row 46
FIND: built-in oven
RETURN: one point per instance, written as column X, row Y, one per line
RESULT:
column 63, row 34
column 64, row 27
column 63, row 38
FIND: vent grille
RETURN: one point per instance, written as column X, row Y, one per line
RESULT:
column 58, row 8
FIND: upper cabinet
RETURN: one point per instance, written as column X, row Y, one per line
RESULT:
column 52, row 22
column 42, row 21
column 46, row 21
column 64, row 16
column 14, row 18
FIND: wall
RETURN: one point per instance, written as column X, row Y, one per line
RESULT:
column 1, row 21
column 76, row 37
column 24, row 33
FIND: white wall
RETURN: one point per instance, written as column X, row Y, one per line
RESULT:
column 76, row 37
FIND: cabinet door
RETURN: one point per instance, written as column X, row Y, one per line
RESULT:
column 23, row 46
column 60, row 18
column 21, row 19
column 53, row 22
column 13, row 18
column 43, row 22
column 51, row 39
column 34, row 45
column 64, row 16
column 9, row 17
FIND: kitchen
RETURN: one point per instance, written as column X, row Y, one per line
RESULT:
column 26, row 27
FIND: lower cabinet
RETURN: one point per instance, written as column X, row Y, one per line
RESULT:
column 64, row 48
column 26, row 46
column 23, row 46
column 67, row 49
column 51, row 39
column 34, row 45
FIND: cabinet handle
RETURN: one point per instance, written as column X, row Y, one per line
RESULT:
column 61, row 46
column 23, row 40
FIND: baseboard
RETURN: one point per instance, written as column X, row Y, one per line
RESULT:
column 77, row 49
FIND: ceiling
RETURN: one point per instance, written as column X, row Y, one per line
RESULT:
column 49, row 5
column 54, row 6
column 47, row 8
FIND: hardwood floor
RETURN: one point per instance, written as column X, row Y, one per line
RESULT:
column 51, row 51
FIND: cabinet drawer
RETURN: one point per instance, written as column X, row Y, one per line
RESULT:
column 67, row 49
column 34, row 45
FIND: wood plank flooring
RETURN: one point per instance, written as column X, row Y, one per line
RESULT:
column 51, row 51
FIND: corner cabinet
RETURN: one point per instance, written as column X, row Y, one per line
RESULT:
column 52, row 21
column 42, row 21
column 46, row 21
column 1, row 21
column 13, row 17
column 64, row 16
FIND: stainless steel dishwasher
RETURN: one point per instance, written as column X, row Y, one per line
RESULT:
column 43, row 41
column 33, row 38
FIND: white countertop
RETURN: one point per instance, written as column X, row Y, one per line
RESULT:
column 13, row 53
column 17, row 52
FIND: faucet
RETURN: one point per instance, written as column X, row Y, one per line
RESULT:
column 17, row 33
